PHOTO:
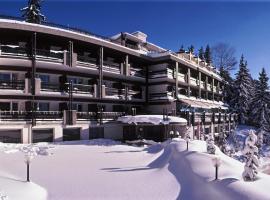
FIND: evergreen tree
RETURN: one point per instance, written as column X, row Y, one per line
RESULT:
column 208, row 55
column 243, row 91
column 181, row 50
column 201, row 53
column 191, row 49
column 251, row 154
column 260, row 101
column 228, row 91
column 32, row 13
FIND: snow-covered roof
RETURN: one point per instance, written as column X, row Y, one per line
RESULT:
column 152, row 119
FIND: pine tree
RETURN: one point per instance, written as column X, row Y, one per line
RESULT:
column 208, row 55
column 251, row 153
column 191, row 49
column 210, row 144
column 181, row 50
column 201, row 53
column 228, row 91
column 243, row 90
column 32, row 13
column 260, row 101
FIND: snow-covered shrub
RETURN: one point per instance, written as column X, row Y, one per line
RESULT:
column 260, row 141
column 210, row 144
column 251, row 154
column 2, row 196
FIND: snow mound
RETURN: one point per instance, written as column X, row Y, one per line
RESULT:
column 195, row 173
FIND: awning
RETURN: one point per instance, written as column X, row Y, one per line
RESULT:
column 202, row 104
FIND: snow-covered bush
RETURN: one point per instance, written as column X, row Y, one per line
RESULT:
column 260, row 141
column 251, row 154
column 210, row 144
column 2, row 196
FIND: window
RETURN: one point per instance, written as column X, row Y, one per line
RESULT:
column 43, row 106
column 4, row 106
column 44, row 78
column 75, row 80
column 5, row 77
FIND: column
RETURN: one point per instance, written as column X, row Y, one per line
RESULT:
column 188, row 81
column 213, row 83
column 100, row 64
column 126, row 70
column 70, row 53
column 200, row 90
column 206, row 85
column 176, row 79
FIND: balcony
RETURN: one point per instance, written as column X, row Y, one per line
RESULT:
column 50, row 55
column 50, row 87
column 41, row 54
column 76, row 88
column 111, row 67
column 87, row 61
column 94, row 116
column 12, row 85
column 82, row 89
column 209, row 87
column 114, row 93
column 161, row 96
column 158, row 74
column 193, row 81
column 137, row 72
column 202, row 85
column 27, row 116
column 134, row 94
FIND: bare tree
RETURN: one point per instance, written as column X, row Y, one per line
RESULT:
column 223, row 56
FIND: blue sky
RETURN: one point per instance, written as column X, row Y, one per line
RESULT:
column 244, row 25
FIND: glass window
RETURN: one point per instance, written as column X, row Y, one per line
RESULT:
column 43, row 106
column 5, row 106
column 44, row 78
column 5, row 77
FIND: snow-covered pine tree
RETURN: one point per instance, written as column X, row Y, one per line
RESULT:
column 32, row 13
column 251, row 153
column 228, row 90
column 201, row 53
column 210, row 144
column 243, row 91
column 259, row 142
column 208, row 54
column 260, row 101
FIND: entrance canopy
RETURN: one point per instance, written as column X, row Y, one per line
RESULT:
column 151, row 119
column 206, row 104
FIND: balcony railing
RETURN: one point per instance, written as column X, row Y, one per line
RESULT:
column 161, row 96
column 193, row 81
column 87, row 61
column 83, row 89
column 137, row 72
column 50, row 54
column 12, row 85
column 50, row 87
column 27, row 116
column 14, row 50
column 115, row 92
column 111, row 67
column 91, row 116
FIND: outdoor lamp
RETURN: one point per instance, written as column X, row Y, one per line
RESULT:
column 216, row 162
column 187, row 140
column 177, row 133
column 171, row 134
column 28, row 158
